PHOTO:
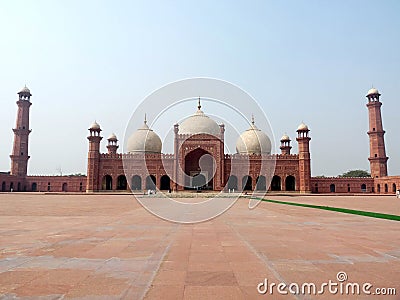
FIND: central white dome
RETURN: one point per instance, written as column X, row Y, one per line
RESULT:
column 144, row 140
column 199, row 123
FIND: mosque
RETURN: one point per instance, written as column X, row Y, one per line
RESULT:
column 198, row 161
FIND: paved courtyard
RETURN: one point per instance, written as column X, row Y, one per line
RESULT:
column 110, row 247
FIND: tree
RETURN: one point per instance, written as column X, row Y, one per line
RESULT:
column 77, row 174
column 356, row 173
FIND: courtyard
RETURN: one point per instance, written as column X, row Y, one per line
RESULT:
column 59, row 246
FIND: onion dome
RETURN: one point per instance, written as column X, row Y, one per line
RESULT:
column 199, row 123
column 373, row 91
column 253, row 141
column 302, row 127
column 144, row 140
column 94, row 126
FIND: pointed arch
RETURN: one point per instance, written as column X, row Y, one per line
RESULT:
column 136, row 183
column 151, row 182
column 232, row 182
column 165, row 183
column 106, row 183
column 290, row 183
column 247, row 183
column 261, row 183
column 121, row 182
column 276, row 183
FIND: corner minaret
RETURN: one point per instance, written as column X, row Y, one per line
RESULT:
column 377, row 157
column 19, row 156
column 304, row 158
column 94, row 138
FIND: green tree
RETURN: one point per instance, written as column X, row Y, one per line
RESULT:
column 356, row 173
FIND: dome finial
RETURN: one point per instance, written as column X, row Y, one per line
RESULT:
column 252, row 119
column 199, row 106
column 145, row 118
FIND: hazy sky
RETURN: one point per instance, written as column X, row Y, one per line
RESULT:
column 310, row 61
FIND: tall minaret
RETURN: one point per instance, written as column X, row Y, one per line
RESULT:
column 304, row 158
column 94, row 138
column 377, row 157
column 19, row 156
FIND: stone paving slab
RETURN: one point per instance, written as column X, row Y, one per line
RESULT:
column 109, row 247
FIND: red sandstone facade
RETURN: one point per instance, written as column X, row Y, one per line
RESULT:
column 114, row 171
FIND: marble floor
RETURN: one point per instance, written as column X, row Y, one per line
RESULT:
column 110, row 247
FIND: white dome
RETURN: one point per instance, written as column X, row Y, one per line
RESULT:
column 112, row 137
column 285, row 137
column 95, row 126
column 144, row 140
column 199, row 123
column 253, row 141
column 302, row 127
column 373, row 91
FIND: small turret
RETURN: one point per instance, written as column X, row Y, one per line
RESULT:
column 285, row 145
column 112, row 144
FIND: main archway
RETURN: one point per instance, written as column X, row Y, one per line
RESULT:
column 200, row 169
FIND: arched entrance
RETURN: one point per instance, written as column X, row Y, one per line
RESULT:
column 276, row 183
column 199, row 162
column 150, row 182
column 65, row 187
column 3, row 186
column 121, row 182
column 106, row 183
column 247, row 183
column 332, row 188
column 261, row 183
column 232, row 182
column 394, row 188
column 290, row 183
column 165, row 183
column 363, row 188
column 136, row 183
